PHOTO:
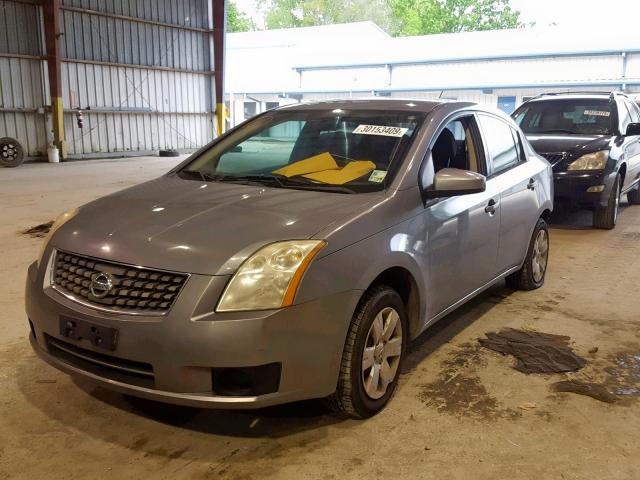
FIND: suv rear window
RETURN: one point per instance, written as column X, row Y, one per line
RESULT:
column 569, row 116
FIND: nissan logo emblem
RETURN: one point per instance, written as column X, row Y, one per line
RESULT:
column 101, row 284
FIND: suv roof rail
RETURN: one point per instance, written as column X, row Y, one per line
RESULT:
column 582, row 92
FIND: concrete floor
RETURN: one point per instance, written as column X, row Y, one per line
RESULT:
column 460, row 412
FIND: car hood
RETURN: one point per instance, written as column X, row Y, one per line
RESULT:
column 195, row 227
column 561, row 150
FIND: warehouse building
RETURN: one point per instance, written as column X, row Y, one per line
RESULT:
column 501, row 68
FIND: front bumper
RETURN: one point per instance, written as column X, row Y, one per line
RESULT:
column 573, row 187
column 185, row 348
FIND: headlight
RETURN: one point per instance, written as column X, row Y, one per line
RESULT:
column 591, row 161
column 270, row 277
column 61, row 220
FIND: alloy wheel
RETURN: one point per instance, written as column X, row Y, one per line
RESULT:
column 540, row 255
column 382, row 351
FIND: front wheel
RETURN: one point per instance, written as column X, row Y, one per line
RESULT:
column 607, row 217
column 372, row 356
column 534, row 269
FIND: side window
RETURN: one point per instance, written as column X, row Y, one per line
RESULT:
column 634, row 111
column 457, row 146
column 624, row 115
column 501, row 145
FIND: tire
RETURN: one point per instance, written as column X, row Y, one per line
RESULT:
column 634, row 196
column 357, row 394
column 169, row 153
column 534, row 269
column 607, row 217
column 11, row 152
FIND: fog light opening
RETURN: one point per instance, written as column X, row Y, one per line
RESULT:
column 596, row 189
column 246, row 382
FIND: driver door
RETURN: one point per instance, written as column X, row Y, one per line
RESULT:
column 462, row 231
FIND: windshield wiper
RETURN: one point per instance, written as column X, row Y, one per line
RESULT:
column 275, row 180
column 558, row 130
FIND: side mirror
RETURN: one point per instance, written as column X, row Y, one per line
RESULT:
column 236, row 149
column 450, row 182
column 633, row 129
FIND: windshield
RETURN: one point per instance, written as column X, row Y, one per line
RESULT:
column 337, row 150
column 568, row 116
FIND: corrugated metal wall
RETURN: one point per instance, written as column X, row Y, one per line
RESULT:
column 140, row 71
column 22, row 76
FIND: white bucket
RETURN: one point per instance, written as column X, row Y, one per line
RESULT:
column 53, row 154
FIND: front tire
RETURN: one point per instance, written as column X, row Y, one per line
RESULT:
column 607, row 217
column 534, row 269
column 372, row 356
column 634, row 197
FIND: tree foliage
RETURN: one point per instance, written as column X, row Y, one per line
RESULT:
column 422, row 17
column 307, row 13
column 398, row 17
column 238, row 21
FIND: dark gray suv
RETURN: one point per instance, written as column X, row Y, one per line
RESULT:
column 593, row 142
column 295, row 257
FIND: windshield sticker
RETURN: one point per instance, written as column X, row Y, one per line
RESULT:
column 377, row 176
column 380, row 130
column 597, row 113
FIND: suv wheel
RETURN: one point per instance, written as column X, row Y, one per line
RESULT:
column 11, row 153
column 634, row 197
column 532, row 273
column 372, row 356
column 606, row 217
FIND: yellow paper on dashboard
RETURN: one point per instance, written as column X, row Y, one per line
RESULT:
column 317, row 163
column 346, row 174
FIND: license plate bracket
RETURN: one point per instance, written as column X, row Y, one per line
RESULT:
column 99, row 335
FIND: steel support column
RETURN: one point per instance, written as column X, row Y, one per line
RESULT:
column 219, row 35
column 51, row 10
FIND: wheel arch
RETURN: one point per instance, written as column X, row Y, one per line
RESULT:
column 404, row 282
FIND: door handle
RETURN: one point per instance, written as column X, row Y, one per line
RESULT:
column 532, row 184
column 491, row 207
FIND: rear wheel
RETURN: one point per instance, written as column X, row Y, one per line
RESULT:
column 372, row 355
column 634, row 196
column 11, row 153
column 607, row 217
column 534, row 269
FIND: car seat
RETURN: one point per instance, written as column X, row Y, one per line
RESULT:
column 444, row 150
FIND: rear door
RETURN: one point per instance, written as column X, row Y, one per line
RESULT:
column 517, row 180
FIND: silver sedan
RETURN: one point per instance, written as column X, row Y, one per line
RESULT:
column 294, row 257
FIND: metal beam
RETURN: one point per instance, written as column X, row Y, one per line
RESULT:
column 51, row 10
column 137, row 65
column 134, row 19
column 219, row 35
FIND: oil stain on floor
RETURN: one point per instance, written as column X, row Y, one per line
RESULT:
column 459, row 391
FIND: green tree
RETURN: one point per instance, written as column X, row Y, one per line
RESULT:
column 398, row 17
column 422, row 17
column 306, row 13
column 238, row 21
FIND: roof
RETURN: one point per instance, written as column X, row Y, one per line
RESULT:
column 375, row 103
column 269, row 60
column 508, row 43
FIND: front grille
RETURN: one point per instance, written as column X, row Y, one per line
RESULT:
column 107, row 366
column 133, row 289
